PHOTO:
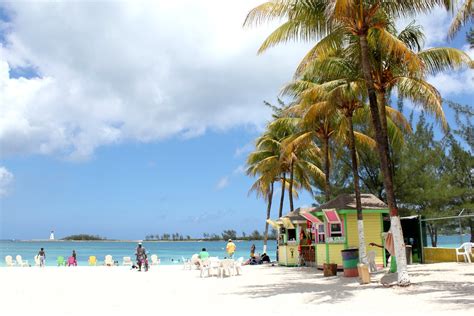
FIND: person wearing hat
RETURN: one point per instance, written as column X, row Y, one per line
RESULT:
column 230, row 248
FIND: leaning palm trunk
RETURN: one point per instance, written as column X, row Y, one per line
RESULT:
column 355, row 172
column 290, row 187
column 282, row 197
column 382, row 146
column 269, row 208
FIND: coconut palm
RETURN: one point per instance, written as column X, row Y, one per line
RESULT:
column 264, row 163
column 463, row 13
column 330, row 22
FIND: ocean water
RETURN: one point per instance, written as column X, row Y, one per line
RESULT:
column 169, row 252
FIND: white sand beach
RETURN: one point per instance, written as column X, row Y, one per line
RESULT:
column 438, row 289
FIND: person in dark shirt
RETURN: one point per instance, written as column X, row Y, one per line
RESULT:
column 42, row 257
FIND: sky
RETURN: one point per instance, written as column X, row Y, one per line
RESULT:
column 128, row 118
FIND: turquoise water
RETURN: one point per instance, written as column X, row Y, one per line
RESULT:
column 453, row 241
column 168, row 252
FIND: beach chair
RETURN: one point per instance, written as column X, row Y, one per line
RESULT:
column 226, row 267
column 37, row 261
column 215, row 266
column 186, row 263
column 92, row 260
column 127, row 261
column 205, row 266
column 465, row 250
column 9, row 261
column 71, row 261
column 238, row 265
column 371, row 261
column 109, row 261
column 21, row 262
column 195, row 261
column 61, row 262
column 155, row 260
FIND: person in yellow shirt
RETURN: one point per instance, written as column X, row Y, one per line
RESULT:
column 230, row 248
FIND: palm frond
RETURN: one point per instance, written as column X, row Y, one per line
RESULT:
column 464, row 14
column 444, row 58
column 421, row 92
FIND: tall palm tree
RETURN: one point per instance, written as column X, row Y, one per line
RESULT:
column 330, row 22
column 264, row 163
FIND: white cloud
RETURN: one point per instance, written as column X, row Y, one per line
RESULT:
column 118, row 71
column 449, row 84
column 245, row 149
column 435, row 26
column 239, row 170
column 6, row 178
column 222, row 183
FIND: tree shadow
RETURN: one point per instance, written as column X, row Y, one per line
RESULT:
column 457, row 293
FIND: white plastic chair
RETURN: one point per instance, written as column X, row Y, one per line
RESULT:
column 21, row 262
column 9, row 261
column 195, row 261
column 226, row 267
column 186, row 263
column 238, row 265
column 155, row 260
column 371, row 261
column 465, row 250
column 215, row 266
column 37, row 261
column 127, row 261
column 109, row 261
column 205, row 266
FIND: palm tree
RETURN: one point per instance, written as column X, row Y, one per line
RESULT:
column 264, row 162
column 331, row 22
column 465, row 12
column 302, row 156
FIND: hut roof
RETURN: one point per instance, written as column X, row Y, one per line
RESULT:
column 295, row 216
column 348, row 202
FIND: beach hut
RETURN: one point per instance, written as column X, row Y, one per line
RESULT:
column 313, row 236
column 334, row 227
column 295, row 240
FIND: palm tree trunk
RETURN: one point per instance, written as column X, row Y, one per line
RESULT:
column 290, row 188
column 382, row 146
column 269, row 208
column 355, row 172
column 381, row 100
column 282, row 197
column 327, row 170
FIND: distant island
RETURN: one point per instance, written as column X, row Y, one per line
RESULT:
column 84, row 237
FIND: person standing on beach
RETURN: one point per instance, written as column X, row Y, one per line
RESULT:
column 42, row 257
column 230, row 248
column 74, row 255
column 252, row 250
column 141, row 257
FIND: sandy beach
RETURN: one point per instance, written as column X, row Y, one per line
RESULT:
column 438, row 289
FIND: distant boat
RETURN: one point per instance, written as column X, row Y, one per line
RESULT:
column 51, row 236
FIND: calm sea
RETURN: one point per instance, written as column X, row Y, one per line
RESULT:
column 168, row 252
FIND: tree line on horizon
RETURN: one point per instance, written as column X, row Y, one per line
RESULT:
column 343, row 127
column 225, row 235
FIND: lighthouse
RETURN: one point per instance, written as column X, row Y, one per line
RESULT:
column 51, row 236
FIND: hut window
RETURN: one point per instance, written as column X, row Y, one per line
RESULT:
column 321, row 236
column 291, row 234
column 334, row 223
column 336, row 230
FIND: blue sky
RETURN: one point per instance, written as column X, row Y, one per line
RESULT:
column 142, row 127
